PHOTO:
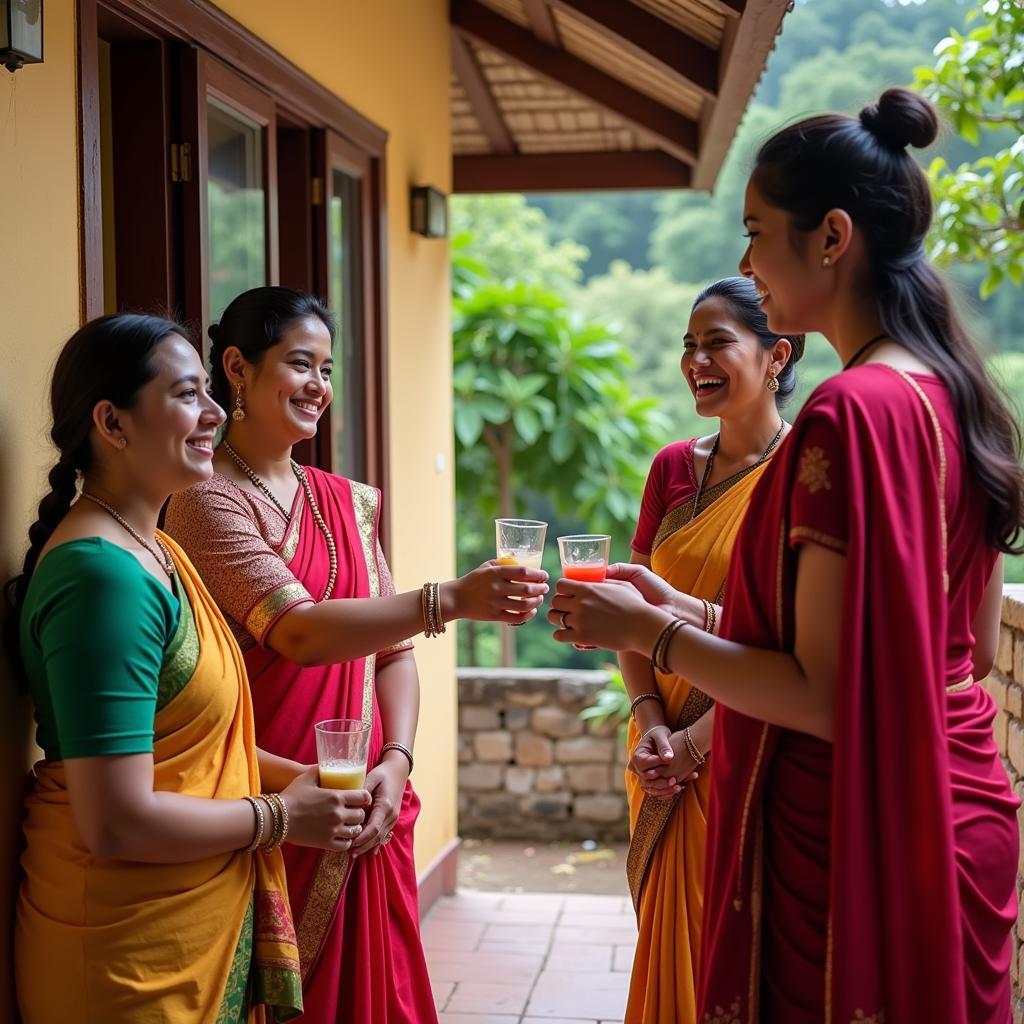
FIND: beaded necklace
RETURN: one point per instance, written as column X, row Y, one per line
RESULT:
column 162, row 556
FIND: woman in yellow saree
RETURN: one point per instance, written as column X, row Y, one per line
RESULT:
column 696, row 496
column 153, row 887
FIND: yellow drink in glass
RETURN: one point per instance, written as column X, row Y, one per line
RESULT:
column 530, row 559
column 343, row 775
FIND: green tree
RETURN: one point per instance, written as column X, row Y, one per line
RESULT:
column 542, row 407
column 978, row 80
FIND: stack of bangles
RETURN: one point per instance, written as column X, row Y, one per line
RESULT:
column 433, row 622
column 710, row 617
column 269, row 834
column 641, row 698
column 659, row 655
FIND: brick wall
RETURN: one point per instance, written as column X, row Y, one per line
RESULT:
column 1006, row 684
column 529, row 767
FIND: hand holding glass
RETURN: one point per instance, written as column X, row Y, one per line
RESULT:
column 520, row 542
column 585, row 558
column 342, row 745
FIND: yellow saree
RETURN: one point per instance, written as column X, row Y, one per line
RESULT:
column 105, row 941
column 665, row 865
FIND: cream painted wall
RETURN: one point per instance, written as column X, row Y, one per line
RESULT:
column 39, row 309
column 390, row 61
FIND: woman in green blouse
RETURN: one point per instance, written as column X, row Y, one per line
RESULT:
column 144, row 899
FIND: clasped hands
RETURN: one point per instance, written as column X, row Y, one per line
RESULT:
column 662, row 763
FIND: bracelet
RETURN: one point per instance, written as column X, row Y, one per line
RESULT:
column 691, row 747
column 709, row 616
column 659, row 656
column 275, row 826
column 280, row 811
column 261, row 824
column 639, row 700
column 433, row 621
column 714, row 618
column 394, row 745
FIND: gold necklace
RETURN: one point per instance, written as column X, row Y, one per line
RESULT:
column 162, row 556
column 711, row 459
column 300, row 475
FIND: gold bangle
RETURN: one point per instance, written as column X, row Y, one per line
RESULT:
column 261, row 824
column 394, row 745
column 707, row 615
column 280, row 812
column 275, row 822
column 659, row 656
column 714, row 619
column 439, row 626
column 691, row 747
column 640, row 699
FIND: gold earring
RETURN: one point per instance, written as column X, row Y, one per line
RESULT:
column 238, row 413
column 122, row 443
column 772, row 385
column 826, row 261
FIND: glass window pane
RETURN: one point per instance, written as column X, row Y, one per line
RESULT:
column 236, row 198
column 345, row 299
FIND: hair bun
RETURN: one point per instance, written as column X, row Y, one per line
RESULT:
column 901, row 118
column 213, row 332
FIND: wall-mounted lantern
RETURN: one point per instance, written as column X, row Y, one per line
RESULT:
column 21, row 33
column 428, row 212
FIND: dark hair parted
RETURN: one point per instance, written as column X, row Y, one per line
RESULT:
column 254, row 322
column 741, row 296
column 110, row 359
column 861, row 165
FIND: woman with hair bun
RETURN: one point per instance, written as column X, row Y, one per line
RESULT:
column 292, row 556
column 862, row 844
column 740, row 373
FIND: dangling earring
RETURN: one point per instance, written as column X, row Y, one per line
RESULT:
column 772, row 385
column 238, row 413
column 826, row 261
column 122, row 443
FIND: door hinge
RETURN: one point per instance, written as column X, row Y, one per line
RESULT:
column 181, row 161
column 317, row 191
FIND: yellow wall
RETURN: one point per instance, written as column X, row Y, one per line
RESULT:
column 389, row 59
column 39, row 308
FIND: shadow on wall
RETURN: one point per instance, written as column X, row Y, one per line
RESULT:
column 16, row 752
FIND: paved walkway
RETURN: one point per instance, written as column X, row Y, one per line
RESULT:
column 535, row 958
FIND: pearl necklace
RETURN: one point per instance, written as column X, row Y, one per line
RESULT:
column 162, row 556
column 300, row 475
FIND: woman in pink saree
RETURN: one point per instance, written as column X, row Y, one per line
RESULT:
column 862, row 842
column 291, row 555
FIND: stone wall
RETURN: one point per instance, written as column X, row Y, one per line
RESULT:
column 529, row 767
column 1006, row 684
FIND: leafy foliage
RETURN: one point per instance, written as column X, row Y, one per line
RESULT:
column 978, row 80
column 612, row 702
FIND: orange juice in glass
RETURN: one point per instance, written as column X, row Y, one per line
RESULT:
column 342, row 745
column 520, row 542
column 585, row 558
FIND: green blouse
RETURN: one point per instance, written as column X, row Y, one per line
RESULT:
column 102, row 643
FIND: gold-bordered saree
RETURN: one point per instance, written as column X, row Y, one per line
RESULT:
column 203, row 942
column 665, row 865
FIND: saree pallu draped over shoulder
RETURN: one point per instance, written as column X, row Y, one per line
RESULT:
column 900, row 930
column 357, row 920
column 114, row 942
column 665, row 865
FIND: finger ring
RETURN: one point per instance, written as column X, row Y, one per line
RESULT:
column 387, row 839
column 562, row 619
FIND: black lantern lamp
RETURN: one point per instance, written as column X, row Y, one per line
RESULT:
column 21, row 33
column 428, row 212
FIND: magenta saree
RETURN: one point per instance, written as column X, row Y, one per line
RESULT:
column 872, row 879
column 357, row 919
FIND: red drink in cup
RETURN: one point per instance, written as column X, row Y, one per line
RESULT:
column 585, row 558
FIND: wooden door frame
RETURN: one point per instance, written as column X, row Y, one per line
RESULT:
column 200, row 24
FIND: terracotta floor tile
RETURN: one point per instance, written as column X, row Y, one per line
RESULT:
column 517, row 933
column 481, row 997
column 590, row 995
column 491, row 968
column 623, row 959
column 452, row 935
column 539, row 948
column 576, row 957
column 442, row 990
column 617, row 936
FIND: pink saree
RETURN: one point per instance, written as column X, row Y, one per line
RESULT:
column 872, row 879
column 357, row 919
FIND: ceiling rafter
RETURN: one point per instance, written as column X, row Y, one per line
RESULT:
column 481, row 100
column 543, row 24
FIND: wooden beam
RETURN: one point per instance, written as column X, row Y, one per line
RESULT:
column 646, row 36
column 730, row 8
column 666, row 128
column 745, row 47
column 478, row 92
column 541, row 21
column 570, row 172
